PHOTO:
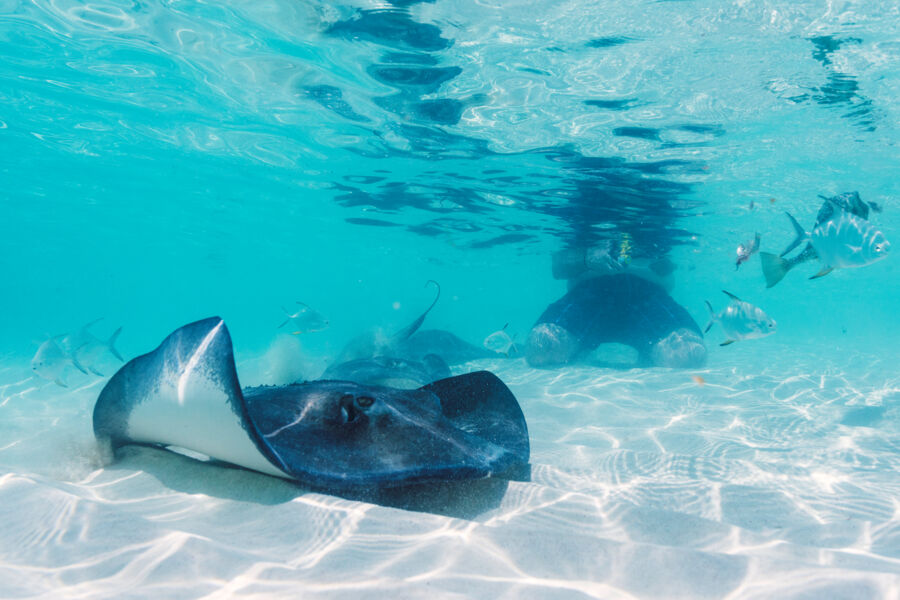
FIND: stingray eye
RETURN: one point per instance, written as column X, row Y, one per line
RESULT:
column 365, row 401
column 348, row 410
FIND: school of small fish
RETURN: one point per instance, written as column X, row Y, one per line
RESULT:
column 842, row 238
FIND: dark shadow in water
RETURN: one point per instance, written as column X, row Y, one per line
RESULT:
column 331, row 97
column 841, row 89
column 608, row 42
column 864, row 416
column 458, row 499
column 592, row 198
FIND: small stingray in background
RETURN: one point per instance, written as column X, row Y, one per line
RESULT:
column 740, row 321
column 50, row 361
column 87, row 349
column 500, row 342
column 305, row 320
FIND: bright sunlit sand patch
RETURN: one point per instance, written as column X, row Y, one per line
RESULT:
column 643, row 486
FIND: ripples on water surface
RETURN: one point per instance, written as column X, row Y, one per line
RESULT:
column 163, row 162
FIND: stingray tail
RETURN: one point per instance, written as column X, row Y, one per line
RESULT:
column 774, row 267
column 410, row 329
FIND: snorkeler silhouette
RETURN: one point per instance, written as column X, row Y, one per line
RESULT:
column 613, row 299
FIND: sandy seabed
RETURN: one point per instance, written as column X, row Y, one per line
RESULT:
column 776, row 481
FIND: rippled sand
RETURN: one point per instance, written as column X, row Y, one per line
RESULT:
column 645, row 484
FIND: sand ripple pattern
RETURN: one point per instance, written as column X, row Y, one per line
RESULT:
column 645, row 485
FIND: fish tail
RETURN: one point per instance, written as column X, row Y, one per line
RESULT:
column 712, row 317
column 774, row 267
column 801, row 234
column 111, row 344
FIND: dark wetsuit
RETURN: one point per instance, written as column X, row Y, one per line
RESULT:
column 620, row 308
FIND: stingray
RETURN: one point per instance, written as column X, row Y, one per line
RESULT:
column 389, row 371
column 411, row 343
column 327, row 435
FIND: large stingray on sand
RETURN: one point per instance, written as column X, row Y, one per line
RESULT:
column 329, row 435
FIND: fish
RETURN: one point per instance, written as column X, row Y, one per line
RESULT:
column 843, row 242
column 305, row 320
column 698, row 379
column 776, row 267
column 87, row 348
column 500, row 342
column 50, row 361
column 740, row 321
column 334, row 436
column 746, row 250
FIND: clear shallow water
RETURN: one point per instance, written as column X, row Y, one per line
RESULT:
column 168, row 161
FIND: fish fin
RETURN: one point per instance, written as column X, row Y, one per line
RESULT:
column 825, row 271
column 74, row 359
column 410, row 329
column 96, row 372
column 800, row 237
column 112, row 344
column 774, row 268
column 727, row 342
column 58, row 381
column 732, row 296
column 712, row 317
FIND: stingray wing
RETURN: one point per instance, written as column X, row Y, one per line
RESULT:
column 184, row 393
column 480, row 404
column 466, row 427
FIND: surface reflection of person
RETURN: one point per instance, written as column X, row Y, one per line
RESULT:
column 614, row 300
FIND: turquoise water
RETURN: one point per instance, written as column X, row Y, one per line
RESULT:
column 165, row 162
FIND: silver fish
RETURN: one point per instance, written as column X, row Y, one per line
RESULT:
column 746, row 250
column 844, row 242
column 740, row 321
column 50, row 361
column 305, row 320
column 500, row 342
column 87, row 348
column 776, row 267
